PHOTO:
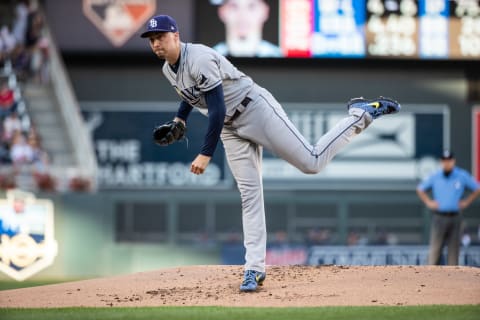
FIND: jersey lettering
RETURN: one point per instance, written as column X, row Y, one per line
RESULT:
column 190, row 95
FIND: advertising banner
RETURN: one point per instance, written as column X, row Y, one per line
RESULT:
column 128, row 158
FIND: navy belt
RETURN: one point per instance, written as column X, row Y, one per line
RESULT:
column 237, row 112
column 447, row 213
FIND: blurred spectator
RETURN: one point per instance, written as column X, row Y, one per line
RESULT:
column 45, row 181
column 19, row 56
column 466, row 239
column 20, row 151
column 318, row 236
column 37, row 46
column 80, row 184
column 4, row 153
column 20, row 63
column 381, row 237
column 4, row 148
column 7, row 100
column 7, row 180
column 20, row 22
column 40, row 164
column 7, row 41
column 392, row 239
column 352, row 238
column 40, row 159
column 11, row 124
column 34, row 28
column 355, row 238
column 280, row 238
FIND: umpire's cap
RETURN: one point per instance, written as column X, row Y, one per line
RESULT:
column 447, row 155
column 160, row 23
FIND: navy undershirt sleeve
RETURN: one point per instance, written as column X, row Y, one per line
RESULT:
column 216, row 117
column 184, row 110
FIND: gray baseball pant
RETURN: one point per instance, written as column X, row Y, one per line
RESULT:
column 264, row 123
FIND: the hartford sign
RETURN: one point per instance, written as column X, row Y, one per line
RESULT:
column 27, row 243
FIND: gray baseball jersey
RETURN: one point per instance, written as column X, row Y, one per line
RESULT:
column 202, row 69
column 261, row 123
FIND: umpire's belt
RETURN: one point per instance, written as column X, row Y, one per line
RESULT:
column 446, row 213
column 244, row 103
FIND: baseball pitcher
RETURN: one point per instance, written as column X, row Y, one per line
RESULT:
column 246, row 117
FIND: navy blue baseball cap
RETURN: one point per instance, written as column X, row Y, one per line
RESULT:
column 447, row 155
column 160, row 23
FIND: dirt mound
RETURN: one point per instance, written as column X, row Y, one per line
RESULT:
column 286, row 286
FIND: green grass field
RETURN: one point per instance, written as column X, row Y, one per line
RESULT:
column 7, row 284
column 192, row 313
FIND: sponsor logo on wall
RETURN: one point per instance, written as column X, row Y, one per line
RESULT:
column 27, row 243
column 118, row 20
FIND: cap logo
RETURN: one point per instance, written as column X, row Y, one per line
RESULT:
column 172, row 28
column 153, row 23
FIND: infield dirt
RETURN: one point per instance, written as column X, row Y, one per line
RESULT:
column 285, row 286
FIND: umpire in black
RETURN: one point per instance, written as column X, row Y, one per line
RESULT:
column 447, row 186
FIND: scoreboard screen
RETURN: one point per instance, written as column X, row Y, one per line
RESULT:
column 431, row 29
column 364, row 29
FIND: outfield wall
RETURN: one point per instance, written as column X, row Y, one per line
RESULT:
column 90, row 245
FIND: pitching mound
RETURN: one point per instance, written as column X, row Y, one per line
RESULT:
column 292, row 286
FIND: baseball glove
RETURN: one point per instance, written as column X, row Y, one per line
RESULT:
column 168, row 133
